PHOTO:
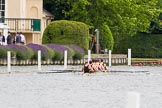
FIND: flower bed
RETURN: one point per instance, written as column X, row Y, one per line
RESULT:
column 46, row 53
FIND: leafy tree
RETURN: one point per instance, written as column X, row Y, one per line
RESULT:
column 124, row 17
column 57, row 8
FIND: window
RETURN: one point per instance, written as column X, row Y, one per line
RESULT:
column 2, row 8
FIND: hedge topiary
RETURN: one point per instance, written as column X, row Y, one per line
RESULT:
column 106, row 38
column 67, row 32
column 143, row 45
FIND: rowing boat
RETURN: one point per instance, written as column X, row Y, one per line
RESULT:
column 96, row 73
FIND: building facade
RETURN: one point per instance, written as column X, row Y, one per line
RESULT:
column 26, row 16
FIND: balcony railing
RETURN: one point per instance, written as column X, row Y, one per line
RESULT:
column 22, row 24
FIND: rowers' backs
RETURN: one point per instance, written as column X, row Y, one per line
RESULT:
column 94, row 66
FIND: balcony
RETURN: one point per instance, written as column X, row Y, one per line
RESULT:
column 22, row 24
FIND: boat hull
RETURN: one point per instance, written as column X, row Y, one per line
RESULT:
column 96, row 74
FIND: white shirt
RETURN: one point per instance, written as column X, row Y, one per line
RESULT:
column 23, row 38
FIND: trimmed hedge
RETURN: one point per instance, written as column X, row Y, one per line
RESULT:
column 106, row 38
column 60, row 49
column 46, row 53
column 3, row 52
column 78, row 52
column 22, row 52
column 67, row 32
column 143, row 45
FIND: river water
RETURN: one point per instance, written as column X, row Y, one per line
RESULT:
column 72, row 90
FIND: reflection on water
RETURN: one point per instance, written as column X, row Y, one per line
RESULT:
column 72, row 90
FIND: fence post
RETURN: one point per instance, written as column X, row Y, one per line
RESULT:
column 89, row 55
column 9, row 61
column 109, row 58
column 65, row 59
column 129, row 57
column 39, row 60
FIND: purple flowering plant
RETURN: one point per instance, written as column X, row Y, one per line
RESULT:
column 45, row 53
column 21, row 51
column 3, row 52
column 59, row 49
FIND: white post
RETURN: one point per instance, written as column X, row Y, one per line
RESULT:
column 109, row 58
column 39, row 60
column 65, row 59
column 129, row 57
column 9, row 61
column 133, row 100
column 89, row 55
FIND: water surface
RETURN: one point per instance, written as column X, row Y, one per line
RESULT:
column 72, row 90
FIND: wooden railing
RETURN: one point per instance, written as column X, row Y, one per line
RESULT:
column 22, row 24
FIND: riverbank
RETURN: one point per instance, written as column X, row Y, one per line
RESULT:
column 146, row 61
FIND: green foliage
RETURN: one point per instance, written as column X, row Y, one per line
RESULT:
column 3, row 52
column 22, row 52
column 51, row 52
column 145, row 45
column 77, row 56
column 67, row 32
column 57, row 56
column 125, row 18
column 106, row 38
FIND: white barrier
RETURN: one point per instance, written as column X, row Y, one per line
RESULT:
column 39, row 60
column 89, row 55
column 109, row 58
column 65, row 59
column 133, row 100
column 9, row 61
column 129, row 57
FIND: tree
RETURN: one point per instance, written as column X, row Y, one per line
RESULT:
column 124, row 17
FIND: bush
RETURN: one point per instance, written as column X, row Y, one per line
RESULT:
column 46, row 53
column 3, row 52
column 106, row 38
column 22, row 52
column 143, row 45
column 60, row 50
column 57, row 56
column 77, row 56
column 79, row 52
column 67, row 32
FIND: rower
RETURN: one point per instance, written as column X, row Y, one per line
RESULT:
column 85, row 67
column 104, row 67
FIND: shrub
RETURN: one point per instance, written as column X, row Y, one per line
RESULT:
column 22, row 52
column 79, row 52
column 77, row 56
column 67, row 32
column 3, row 52
column 46, row 53
column 60, row 49
column 106, row 38
column 57, row 56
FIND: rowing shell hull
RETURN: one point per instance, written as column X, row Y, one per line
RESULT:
column 95, row 74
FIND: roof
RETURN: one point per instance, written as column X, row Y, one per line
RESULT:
column 47, row 14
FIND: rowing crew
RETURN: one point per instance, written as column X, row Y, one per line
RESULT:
column 94, row 66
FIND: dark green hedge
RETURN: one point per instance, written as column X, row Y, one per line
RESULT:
column 143, row 45
column 106, row 38
column 67, row 32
